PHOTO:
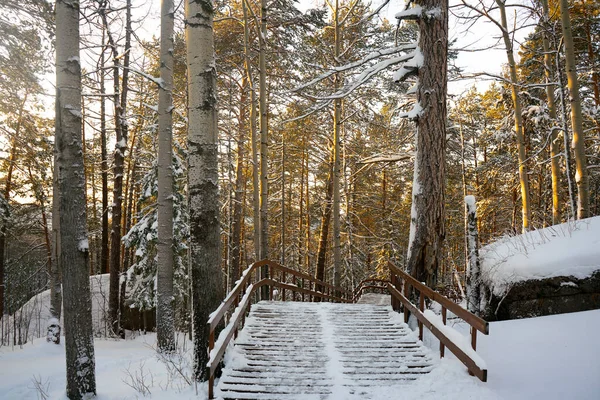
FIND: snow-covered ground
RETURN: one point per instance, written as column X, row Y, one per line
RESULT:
column 569, row 249
column 555, row 357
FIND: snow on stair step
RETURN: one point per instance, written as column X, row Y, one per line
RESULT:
column 305, row 351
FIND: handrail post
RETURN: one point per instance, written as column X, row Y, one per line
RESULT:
column 211, row 378
column 421, row 308
column 407, row 295
column 302, row 283
column 283, row 290
column 442, row 347
column 474, row 338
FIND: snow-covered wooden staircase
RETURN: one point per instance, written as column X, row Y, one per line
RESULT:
column 292, row 350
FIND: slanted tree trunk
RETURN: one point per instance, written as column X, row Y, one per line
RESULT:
column 74, row 249
column 165, row 321
column 427, row 229
column 581, row 174
column 203, row 177
column 473, row 267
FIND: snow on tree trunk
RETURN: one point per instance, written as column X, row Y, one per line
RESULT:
column 165, row 323
column 473, row 270
column 74, row 249
column 581, row 174
column 427, row 212
column 203, row 178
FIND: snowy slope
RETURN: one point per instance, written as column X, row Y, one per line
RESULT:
column 569, row 249
column 34, row 315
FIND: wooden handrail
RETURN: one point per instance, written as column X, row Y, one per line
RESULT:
column 243, row 285
column 476, row 323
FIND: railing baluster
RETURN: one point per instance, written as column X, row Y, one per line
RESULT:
column 474, row 338
column 406, row 288
column 283, row 290
column 421, row 308
column 302, row 283
column 442, row 347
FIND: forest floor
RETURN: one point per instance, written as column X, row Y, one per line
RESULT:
column 554, row 357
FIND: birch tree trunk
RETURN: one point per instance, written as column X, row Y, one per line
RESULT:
column 74, row 249
column 427, row 229
column 473, row 267
column 581, row 174
column 203, row 178
column 165, row 329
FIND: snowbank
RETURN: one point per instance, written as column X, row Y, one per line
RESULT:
column 569, row 249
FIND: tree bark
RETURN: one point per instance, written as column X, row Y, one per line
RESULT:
column 74, row 250
column 581, row 174
column 165, row 322
column 427, row 229
column 523, row 177
column 264, row 156
column 238, row 211
column 203, row 178
column 325, row 222
column 104, row 252
column 337, row 124
column 554, row 140
column 473, row 266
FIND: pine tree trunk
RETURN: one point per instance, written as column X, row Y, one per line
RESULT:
column 337, row 124
column 74, row 251
column 203, row 179
column 554, row 142
column 325, row 222
column 236, row 234
column 165, row 322
column 104, row 253
column 523, row 177
column 264, row 156
column 253, row 139
column 427, row 230
column 114, row 260
column 581, row 174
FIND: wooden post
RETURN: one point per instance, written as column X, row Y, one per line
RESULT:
column 442, row 347
column 302, row 283
column 283, row 290
column 422, row 308
column 406, row 294
column 474, row 338
column 211, row 378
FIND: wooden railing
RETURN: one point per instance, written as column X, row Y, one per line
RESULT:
column 369, row 285
column 301, row 287
column 400, row 288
